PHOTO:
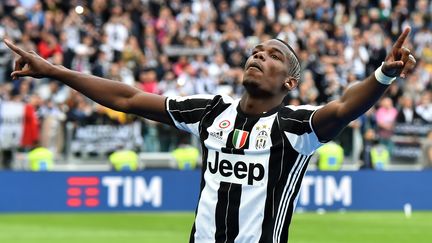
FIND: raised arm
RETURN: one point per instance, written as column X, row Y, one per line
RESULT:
column 112, row 94
column 357, row 99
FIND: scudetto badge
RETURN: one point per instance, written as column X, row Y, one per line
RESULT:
column 239, row 138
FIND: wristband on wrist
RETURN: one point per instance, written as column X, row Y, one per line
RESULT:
column 382, row 78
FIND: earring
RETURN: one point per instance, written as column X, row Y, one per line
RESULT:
column 287, row 85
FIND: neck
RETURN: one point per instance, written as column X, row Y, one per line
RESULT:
column 256, row 106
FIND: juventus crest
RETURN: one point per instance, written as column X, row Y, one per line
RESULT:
column 261, row 140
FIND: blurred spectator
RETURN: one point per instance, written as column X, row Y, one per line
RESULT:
column 180, row 66
column 187, row 81
column 369, row 140
column 168, row 85
column 124, row 160
column 394, row 92
column 148, row 81
column 380, row 156
column 10, row 27
column 116, row 31
column 78, row 109
column 5, row 59
column 330, row 157
column 83, row 51
column 49, row 46
column 53, row 90
column 52, row 136
column 41, row 159
column 374, row 155
column 36, row 14
column 308, row 93
column 386, row 118
column 132, row 55
column 406, row 111
column 216, row 71
column 19, row 128
column 424, row 108
column 151, row 53
column 100, row 67
column 357, row 57
column 186, row 157
column 427, row 150
column 351, row 140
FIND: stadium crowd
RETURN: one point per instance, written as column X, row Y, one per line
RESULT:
column 199, row 46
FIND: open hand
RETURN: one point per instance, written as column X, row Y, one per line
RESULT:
column 400, row 61
column 29, row 63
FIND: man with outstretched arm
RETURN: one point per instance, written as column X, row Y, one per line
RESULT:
column 255, row 149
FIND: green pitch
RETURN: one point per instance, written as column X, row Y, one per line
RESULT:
column 358, row 227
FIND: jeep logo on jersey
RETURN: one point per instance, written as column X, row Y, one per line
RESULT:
column 240, row 170
column 239, row 138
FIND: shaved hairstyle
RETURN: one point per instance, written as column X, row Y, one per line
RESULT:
column 294, row 63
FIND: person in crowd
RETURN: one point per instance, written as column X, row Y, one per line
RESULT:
column 424, row 108
column 330, row 157
column 124, row 160
column 427, row 151
column 407, row 113
column 40, row 159
column 386, row 120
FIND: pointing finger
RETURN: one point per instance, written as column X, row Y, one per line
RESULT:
column 399, row 42
column 15, row 48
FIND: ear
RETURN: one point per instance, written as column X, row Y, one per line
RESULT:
column 291, row 83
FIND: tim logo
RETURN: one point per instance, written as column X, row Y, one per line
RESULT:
column 83, row 191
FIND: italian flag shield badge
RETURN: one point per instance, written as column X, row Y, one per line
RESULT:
column 239, row 138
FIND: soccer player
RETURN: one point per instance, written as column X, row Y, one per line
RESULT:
column 255, row 149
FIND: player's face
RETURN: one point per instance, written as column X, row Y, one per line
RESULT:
column 266, row 70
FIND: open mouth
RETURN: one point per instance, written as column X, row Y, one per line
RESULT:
column 255, row 65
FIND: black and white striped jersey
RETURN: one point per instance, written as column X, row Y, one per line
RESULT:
column 252, row 166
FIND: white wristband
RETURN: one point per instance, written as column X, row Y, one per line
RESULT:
column 382, row 78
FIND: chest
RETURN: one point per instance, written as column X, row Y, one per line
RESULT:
column 233, row 132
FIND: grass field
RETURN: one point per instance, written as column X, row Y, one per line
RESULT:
column 352, row 227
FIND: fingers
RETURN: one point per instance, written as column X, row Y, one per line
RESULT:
column 19, row 70
column 399, row 42
column 392, row 69
column 409, row 66
column 15, row 48
column 404, row 54
column 400, row 68
column 19, row 65
column 408, row 59
column 400, row 62
column 20, row 62
column 20, row 73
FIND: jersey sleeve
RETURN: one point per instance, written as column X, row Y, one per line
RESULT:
column 187, row 112
column 296, row 124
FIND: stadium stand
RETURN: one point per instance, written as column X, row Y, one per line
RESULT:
column 185, row 47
